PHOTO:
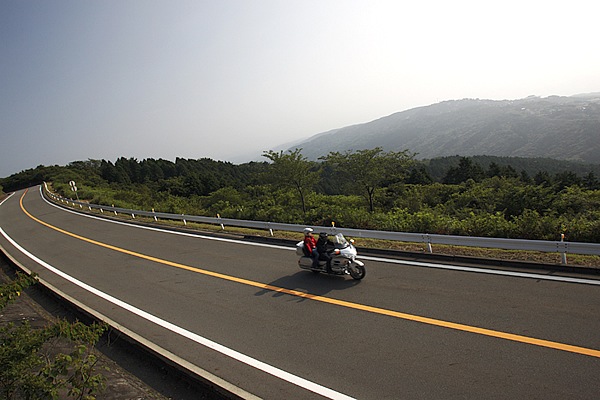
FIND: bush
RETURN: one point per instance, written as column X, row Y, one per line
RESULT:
column 30, row 370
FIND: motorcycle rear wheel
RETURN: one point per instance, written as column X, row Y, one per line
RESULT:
column 357, row 271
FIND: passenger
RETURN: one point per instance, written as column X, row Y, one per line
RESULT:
column 310, row 247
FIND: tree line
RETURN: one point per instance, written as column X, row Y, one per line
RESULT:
column 367, row 189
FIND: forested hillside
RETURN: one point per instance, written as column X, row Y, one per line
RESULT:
column 566, row 128
column 369, row 189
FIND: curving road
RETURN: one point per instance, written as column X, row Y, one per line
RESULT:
column 245, row 313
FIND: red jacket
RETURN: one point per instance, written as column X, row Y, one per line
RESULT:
column 310, row 243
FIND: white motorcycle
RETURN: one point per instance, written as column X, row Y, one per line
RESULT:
column 343, row 259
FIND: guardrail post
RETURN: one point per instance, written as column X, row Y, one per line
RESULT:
column 563, row 255
column 428, row 239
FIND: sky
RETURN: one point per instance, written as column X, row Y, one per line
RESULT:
column 229, row 79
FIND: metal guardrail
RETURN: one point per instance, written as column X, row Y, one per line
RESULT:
column 470, row 241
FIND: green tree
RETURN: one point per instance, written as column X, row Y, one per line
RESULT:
column 466, row 169
column 369, row 170
column 566, row 179
column 589, row 181
column 494, row 170
column 542, row 178
column 419, row 176
column 292, row 170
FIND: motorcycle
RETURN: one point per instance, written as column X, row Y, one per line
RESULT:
column 343, row 261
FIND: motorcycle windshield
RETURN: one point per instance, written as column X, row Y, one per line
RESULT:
column 340, row 241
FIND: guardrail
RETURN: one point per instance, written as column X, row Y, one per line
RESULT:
column 471, row 241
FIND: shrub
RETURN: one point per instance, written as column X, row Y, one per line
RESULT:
column 31, row 371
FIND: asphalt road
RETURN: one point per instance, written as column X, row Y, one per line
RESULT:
column 245, row 313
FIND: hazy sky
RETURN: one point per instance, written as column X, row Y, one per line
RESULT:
column 164, row 79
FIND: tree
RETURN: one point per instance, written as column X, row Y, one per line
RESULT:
column 494, row 170
column 369, row 170
column 419, row 176
column 590, row 182
column 466, row 169
column 292, row 170
column 542, row 178
column 525, row 178
column 566, row 179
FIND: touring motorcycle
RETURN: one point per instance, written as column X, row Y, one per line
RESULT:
column 343, row 260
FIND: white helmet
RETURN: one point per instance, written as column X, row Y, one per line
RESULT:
column 308, row 230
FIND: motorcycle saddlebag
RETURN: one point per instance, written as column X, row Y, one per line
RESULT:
column 300, row 249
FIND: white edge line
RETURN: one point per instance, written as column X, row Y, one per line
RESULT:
column 8, row 197
column 279, row 373
column 207, row 376
column 379, row 259
column 150, row 228
column 487, row 271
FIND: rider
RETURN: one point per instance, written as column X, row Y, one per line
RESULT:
column 323, row 245
column 310, row 247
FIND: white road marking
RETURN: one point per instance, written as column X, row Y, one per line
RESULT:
column 279, row 373
column 7, row 197
column 379, row 259
column 151, row 228
column 486, row 271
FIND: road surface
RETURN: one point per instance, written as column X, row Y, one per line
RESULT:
column 245, row 313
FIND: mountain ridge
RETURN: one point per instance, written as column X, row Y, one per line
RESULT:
column 565, row 128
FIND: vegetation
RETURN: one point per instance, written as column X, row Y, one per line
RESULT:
column 367, row 189
column 367, row 171
column 292, row 170
column 31, row 370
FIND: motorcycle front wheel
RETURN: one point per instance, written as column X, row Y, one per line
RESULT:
column 357, row 271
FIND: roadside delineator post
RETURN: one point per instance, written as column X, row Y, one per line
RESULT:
column 563, row 255
column 429, row 248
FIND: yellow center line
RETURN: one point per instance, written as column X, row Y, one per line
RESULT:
column 342, row 303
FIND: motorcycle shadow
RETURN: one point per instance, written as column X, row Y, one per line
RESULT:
column 307, row 284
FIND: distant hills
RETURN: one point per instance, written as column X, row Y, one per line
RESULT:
column 556, row 127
